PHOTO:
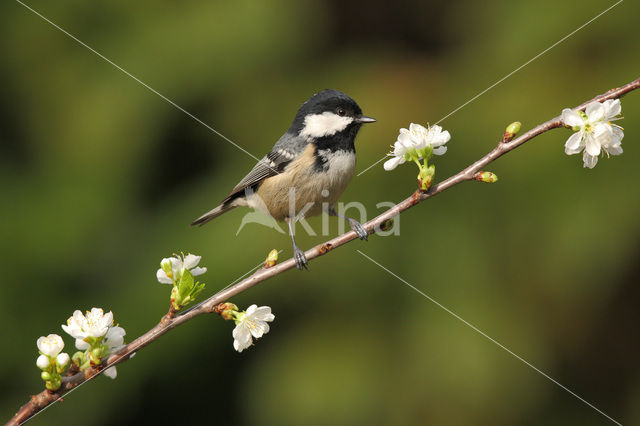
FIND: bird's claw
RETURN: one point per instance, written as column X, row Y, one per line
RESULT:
column 300, row 258
column 359, row 229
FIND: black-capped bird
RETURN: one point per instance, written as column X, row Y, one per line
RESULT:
column 310, row 165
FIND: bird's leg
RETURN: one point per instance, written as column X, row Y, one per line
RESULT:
column 298, row 255
column 355, row 225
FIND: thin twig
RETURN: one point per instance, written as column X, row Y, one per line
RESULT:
column 169, row 322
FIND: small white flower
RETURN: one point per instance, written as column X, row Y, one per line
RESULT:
column 250, row 324
column 43, row 362
column 95, row 324
column 594, row 131
column 51, row 345
column 63, row 359
column 416, row 139
column 175, row 265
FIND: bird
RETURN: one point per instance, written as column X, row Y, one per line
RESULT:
column 307, row 169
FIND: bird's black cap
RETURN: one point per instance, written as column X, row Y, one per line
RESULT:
column 327, row 100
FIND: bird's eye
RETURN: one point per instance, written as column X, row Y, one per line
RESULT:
column 342, row 112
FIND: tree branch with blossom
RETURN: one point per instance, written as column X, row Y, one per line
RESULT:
column 102, row 342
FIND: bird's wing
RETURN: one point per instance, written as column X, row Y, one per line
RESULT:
column 270, row 165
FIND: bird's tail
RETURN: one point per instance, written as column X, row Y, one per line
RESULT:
column 212, row 214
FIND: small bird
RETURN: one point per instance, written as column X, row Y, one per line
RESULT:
column 308, row 167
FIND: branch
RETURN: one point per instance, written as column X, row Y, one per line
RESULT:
column 169, row 321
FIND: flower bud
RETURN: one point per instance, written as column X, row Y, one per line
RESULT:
column 226, row 310
column 425, row 177
column 43, row 362
column 78, row 359
column 272, row 259
column 487, row 177
column 514, row 128
column 95, row 356
column 54, row 384
column 510, row 132
column 45, row 376
column 62, row 360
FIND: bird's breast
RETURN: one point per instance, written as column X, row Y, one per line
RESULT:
column 313, row 181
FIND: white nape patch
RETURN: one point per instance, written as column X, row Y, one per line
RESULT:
column 325, row 124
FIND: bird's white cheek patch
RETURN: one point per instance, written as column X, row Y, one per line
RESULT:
column 325, row 124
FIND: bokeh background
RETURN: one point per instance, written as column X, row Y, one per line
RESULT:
column 100, row 179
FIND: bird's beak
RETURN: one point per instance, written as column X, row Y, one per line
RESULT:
column 365, row 119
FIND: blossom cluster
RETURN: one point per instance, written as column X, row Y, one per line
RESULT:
column 95, row 337
column 52, row 361
column 594, row 131
column 179, row 271
column 419, row 143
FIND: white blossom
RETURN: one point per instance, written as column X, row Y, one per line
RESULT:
column 51, row 345
column 172, row 267
column 250, row 324
column 95, row 324
column 594, row 131
column 414, row 140
column 43, row 362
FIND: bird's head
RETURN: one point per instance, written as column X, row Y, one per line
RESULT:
column 328, row 113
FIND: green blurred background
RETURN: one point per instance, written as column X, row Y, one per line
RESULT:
column 100, row 179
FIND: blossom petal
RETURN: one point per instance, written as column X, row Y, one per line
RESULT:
column 263, row 313
column 82, row 345
column 241, row 338
column 574, row 144
column 440, row 137
column 39, row 343
column 252, row 309
column 595, row 112
column 393, row 163
column 571, row 118
column 162, row 277
column 114, row 338
column 417, row 128
column 592, row 146
column 259, row 328
column 111, row 372
column 198, row 271
column 240, row 346
column 176, row 265
column 614, row 150
column 590, row 161
column 440, row 150
column 241, row 332
column 191, row 261
column 615, row 138
column 404, row 142
column 612, row 108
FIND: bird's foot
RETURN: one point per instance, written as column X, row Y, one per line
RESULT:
column 359, row 229
column 301, row 259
